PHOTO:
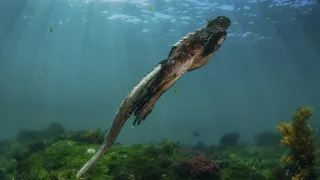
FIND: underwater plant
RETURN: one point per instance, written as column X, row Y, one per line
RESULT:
column 169, row 147
column 36, row 146
column 59, row 158
column 299, row 138
column 89, row 136
column 56, row 159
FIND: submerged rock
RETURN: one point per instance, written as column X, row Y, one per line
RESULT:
column 229, row 139
column 198, row 168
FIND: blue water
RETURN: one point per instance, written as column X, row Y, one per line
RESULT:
column 74, row 61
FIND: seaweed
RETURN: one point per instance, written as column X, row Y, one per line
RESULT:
column 299, row 138
column 60, row 154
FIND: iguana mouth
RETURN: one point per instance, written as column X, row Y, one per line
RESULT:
column 191, row 52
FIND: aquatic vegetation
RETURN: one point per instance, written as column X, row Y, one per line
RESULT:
column 36, row 146
column 60, row 157
column 169, row 147
column 58, row 160
column 299, row 138
column 89, row 136
column 243, row 163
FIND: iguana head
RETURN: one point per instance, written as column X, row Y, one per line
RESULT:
column 220, row 21
column 213, row 34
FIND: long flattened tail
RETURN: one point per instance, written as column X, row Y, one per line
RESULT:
column 125, row 110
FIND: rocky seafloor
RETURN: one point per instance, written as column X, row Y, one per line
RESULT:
column 56, row 154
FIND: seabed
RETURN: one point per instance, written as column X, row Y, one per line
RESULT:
column 56, row 154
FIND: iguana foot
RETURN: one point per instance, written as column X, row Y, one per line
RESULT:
column 142, row 113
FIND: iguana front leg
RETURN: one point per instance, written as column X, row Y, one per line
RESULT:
column 142, row 113
column 171, row 70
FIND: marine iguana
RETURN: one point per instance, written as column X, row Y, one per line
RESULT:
column 191, row 52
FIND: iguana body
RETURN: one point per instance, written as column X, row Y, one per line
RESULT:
column 190, row 53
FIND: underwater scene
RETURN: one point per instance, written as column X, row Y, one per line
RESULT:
column 159, row 89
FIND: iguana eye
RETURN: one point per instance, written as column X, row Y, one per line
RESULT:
column 224, row 21
column 220, row 18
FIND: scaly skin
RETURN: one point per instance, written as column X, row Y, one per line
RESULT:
column 188, row 54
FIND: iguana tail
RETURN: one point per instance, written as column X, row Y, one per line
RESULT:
column 125, row 110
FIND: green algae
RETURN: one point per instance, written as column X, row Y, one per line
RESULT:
column 62, row 154
column 62, row 159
